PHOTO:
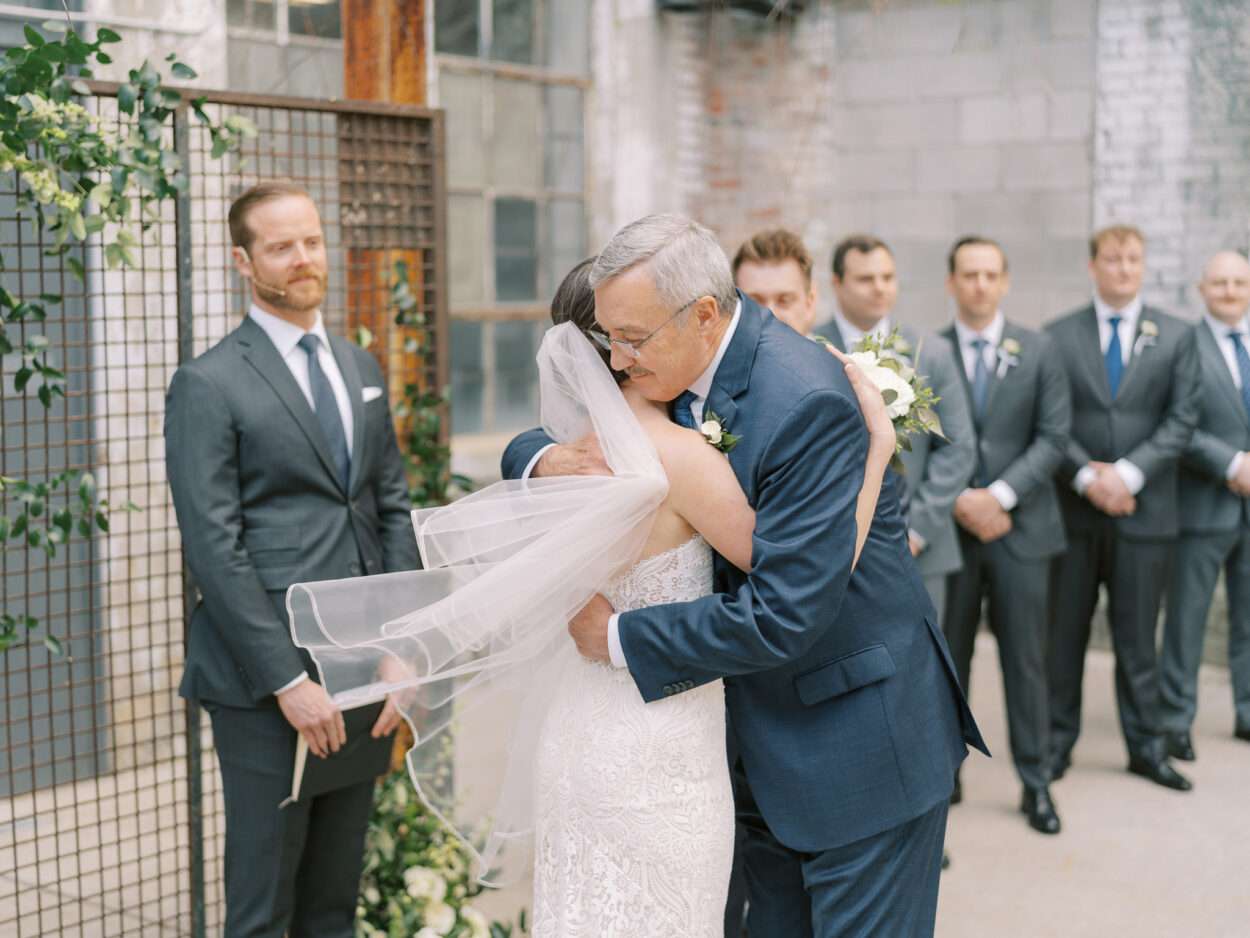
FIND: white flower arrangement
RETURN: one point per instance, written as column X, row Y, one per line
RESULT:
column 1008, row 353
column 714, row 432
column 1147, row 336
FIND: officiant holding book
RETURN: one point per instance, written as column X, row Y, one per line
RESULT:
column 284, row 467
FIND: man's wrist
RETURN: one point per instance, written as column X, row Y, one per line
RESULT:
column 533, row 463
column 1234, row 466
column 1132, row 477
column 291, row 684
column 615, row 652
column 1004, row 494
column 1084, row 476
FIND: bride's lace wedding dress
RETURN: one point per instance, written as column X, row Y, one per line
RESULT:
column 634, row 814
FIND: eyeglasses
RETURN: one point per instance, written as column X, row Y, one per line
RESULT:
column 631, row 349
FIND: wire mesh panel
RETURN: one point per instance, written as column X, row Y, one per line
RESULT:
column 110, row 802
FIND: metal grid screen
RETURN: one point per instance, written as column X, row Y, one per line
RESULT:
column 110, row 812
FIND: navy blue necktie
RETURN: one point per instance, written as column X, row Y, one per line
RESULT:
column 326, row 407
column 1243, row 366
column 682, row 414
column 980, row 378
column 1114, row 357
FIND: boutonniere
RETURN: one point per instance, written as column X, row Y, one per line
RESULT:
column 1148, row 334
column 1008, row 357
column 715, row 433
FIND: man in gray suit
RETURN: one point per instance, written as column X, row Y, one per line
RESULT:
column 1132, row 372
column 1215, row 508
column 936, row 470
column 1008, row 518
column 284, row 468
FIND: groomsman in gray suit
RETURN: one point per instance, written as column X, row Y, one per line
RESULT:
column 1215, row 508
column 1132, row 371
column 284, row 468
column 936, row 470
column 1009, row 521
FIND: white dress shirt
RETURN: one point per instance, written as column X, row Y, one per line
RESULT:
column 851, row 333
column 285, row 337
column 1221, row 332
column 1130, row 474
column 701, row 387
column 992, row 334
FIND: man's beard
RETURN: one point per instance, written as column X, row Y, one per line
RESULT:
column 283, row 298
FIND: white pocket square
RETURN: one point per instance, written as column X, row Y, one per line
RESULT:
column 370, row 394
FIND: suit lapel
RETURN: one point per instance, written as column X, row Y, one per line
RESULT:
column 1137, row 351
column 1210, row 347
column 834, row 335
column 355, row 394
column 1090, row 352
column 733, row 375
column 953, row 337
column 260, row 353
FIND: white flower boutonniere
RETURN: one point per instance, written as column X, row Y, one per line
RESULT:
column 715, row 433
column 1008, row 357
column 1148, row 335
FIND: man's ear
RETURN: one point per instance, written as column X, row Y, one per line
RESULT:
column 706, row 311
column 242, row 261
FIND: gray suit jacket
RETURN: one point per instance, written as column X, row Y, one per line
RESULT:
column 1149, row 423
column 259, row 506
column 1022, row 435
column 935, row 470
column 1207, row 504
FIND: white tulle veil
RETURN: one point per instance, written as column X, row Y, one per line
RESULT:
column 477, row 641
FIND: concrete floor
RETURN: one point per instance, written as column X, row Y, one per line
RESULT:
column 1133, row 859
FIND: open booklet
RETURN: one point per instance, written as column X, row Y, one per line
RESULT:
column 361, row 758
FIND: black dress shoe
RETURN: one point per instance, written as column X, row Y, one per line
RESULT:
column 1036, row 804
column 1181, row 746
column 1242, row 732
column 957, row 793
column 1159, row 772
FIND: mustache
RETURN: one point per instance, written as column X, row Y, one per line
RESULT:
column 635, row 372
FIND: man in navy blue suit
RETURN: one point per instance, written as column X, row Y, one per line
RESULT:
column 841, row 694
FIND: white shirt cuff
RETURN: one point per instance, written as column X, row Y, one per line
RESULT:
column 534, row 462
column 1233, row 466
column 915, row 535
column 1133, row 477
column 295, row 683
column 1004, row 494
column 615, row 652
column 1084, row 476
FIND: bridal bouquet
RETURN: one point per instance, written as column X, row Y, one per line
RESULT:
column 909, row 399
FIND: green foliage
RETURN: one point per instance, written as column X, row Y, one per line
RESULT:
column 78, row 179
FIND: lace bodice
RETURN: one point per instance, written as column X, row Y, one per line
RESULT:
column 634, row 812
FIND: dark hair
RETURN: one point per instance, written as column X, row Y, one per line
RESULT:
column 968, row 240
column 575, row 302
column 1118, row 233
column 240, row 234
column 864, row 243
column 774, row 246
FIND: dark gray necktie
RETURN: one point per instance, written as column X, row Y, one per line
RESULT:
column 980, row 378
column 1243, row 366
column 326, row 406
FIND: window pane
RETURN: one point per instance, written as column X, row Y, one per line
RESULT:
column 466, row 249
column 516, row 374
column 467, row 376
column 516, row 255
column 315, row 18
column 513, row 31
column 517, row 150
column 251, row 14
column 564, row 138
column 461, row 98
column 456, row 27
column 568, row 36
column 565, row 240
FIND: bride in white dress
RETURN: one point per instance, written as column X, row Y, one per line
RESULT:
column 622, row 808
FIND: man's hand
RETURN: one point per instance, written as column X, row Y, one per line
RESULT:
column 580, row 458
column 308, row 709
column 914, row 544
column 1240, row 483
column 979, row 513
column 392, row 671
column 1108, row 493
column 589, row 629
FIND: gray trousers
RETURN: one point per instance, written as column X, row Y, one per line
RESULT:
column 1198, row 563
column 935, row 586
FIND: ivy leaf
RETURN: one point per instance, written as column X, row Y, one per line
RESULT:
column 45, row 396
column 182, row 70
column 33, row 37
column 102, row 521
column 76, row 268
column 127, row 95
column 53, row 644
column 106, row 35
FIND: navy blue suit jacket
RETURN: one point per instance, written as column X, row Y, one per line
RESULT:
column 841, row 693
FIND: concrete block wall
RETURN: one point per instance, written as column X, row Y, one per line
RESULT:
column 919, row 121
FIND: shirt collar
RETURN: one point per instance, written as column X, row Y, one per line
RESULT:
column 851, row 333
column 285, row 335
column 1221, row 329
column 702, row 386
column 1129, row 313
column 992, row 334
